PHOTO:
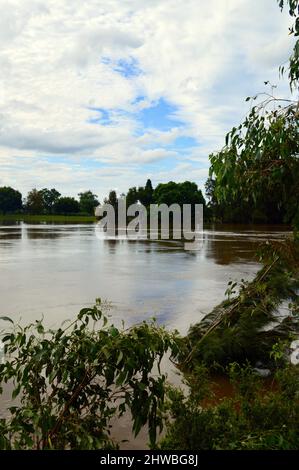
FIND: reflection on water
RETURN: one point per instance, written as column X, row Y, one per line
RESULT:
column 9, row 233
column 54, row 270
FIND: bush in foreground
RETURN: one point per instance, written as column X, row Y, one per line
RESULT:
column 70, row 382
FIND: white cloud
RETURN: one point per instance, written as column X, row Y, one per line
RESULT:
column 202, row 57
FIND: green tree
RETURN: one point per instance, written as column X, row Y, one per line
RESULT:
column 179, row 193
column 258, row 168
column 132, row 196
column 112, row 199
column 10, row 200
column 50, row 197
column 73, row 380
column 167, row 193
column 66, row 205
column 294, row 30
column 145, row 194
column 35, row 202
column 256, row 173
column 88, row 202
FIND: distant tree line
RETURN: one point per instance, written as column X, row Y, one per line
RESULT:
column 228, row 200
column 165, row 193
column 46, row 201
column 50, row 201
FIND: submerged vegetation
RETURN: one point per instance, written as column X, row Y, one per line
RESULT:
column 255, row 176
column 72, row 381
column 68, row 384
column 258, row 415
column 243, row 341
column 236, row 330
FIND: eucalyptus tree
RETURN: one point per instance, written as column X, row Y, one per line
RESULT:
column 70, row 382
column 259, row 164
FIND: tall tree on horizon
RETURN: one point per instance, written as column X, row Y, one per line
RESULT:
column 50, row 197
column 88, row 202
column 145, row 194
column 34, row 202
column 10, row 200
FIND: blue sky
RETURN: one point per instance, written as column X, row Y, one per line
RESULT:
column 102, row 95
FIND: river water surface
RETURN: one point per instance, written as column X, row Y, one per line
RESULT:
column 55, row 270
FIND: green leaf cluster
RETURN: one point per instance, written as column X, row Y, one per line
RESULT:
column 68, row 383
column 257, row 415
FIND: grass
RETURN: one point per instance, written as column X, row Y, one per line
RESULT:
column 47, row 218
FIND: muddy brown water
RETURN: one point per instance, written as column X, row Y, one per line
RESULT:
column 54, row 270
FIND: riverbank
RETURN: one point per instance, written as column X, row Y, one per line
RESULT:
column 47, row 218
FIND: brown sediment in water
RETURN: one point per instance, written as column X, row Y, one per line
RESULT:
column 222, row 388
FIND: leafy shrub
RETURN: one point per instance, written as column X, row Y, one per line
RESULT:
column 72, row 381
column 256, row 417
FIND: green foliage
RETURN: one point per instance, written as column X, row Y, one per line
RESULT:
column 257, row 416
column 50, row 198
column 49, row 201
column 45, row 202
column 10, row 200
column 293, row 6
column 35, row 202
column 166, row 193
column 258, row 169
column 178, row 193
column 88, row 202
column 143, row 194
column 70, row 382
column 66, row 205
column 236, row 329
column 51, row 218
column 132, row 196
column 112, row 199
column 255, row 176
column 146, row 194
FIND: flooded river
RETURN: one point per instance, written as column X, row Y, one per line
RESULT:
column 55, row 270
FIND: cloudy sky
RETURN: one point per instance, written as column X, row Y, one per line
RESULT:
column 103, row 94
